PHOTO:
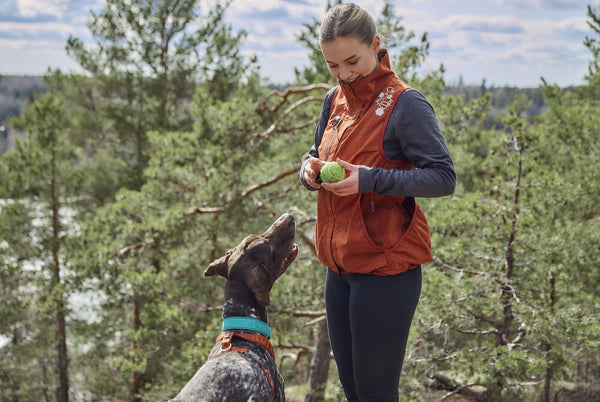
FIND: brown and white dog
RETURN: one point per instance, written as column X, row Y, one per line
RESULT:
column 241, row 365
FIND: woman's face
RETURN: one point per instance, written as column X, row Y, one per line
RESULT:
column 350, row 59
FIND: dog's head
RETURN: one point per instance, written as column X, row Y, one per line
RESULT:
column 259, row 260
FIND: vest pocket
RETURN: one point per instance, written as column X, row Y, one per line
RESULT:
column 384, row 219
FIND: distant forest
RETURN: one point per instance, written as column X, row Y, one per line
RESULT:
column 15, row 91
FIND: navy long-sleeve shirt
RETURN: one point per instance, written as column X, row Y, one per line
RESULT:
column 412, row 133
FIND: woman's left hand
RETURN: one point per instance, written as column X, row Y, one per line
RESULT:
column 349, row 185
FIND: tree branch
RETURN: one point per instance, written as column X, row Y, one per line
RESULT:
column 475, row 332
column 133, row 247
column 309, row 314
column 284, row 95
column 439, row 263
column 266, row 133
column 484, row 318
column 245, row 194
column 456, row 388
column 307, row 240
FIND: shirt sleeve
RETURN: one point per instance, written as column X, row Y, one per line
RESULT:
column 314, row 150
column 412, row 133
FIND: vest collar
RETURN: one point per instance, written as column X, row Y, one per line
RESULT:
column 364, row 89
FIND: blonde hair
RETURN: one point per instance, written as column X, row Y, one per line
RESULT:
column 347, row 20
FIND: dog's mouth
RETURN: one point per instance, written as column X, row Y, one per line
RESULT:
column 289, row 259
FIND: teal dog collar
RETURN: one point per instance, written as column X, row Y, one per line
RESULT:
column 246, row 323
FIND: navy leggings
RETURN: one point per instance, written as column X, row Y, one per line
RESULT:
column 369, row 318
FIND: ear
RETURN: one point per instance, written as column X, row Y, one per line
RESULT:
column 376, row 44
column 218, row 267
column 259, row 282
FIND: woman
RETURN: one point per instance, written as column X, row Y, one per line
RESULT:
column 370, row 232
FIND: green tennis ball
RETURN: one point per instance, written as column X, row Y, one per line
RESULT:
column 332, row 172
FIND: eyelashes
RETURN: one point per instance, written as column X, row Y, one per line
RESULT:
column 352, row 63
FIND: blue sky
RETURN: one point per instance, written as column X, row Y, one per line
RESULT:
column 507, row 42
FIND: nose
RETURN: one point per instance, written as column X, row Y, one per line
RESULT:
column 286, row 217
column 345, row 74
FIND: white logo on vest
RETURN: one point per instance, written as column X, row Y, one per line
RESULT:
column 384, row 100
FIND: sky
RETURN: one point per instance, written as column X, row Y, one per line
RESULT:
column 505, row 42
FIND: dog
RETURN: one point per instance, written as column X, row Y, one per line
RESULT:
column 241, row 365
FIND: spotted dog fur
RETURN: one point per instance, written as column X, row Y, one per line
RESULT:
column 235, row 377
column 251, row 268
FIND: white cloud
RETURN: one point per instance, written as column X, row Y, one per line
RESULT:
column 543, row 4
column 33, row 8
column 499, row 39
column 248, row 6
column 507, row 49
column 32, row 29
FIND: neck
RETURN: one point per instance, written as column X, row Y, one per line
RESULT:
column 240, row 302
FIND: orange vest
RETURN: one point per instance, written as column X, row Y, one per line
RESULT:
column 368, row 233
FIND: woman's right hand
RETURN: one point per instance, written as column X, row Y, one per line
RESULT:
column 311, row 171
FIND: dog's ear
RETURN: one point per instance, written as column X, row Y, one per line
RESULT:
column 218, row 267
column 259, row 282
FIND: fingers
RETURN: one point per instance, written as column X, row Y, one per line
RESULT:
column 346, row 165
column 310, row 177
column 342, row 188
column 345, row 187
column 349, row 185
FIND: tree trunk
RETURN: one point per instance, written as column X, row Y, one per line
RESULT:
column 506, row 295
column 319, row 366
column 46, row 382
column 13, row 381
column 547, row 346
column 509, row 263
column 62, row 390
column 138, row 377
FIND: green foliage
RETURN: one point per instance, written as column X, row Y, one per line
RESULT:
column 144, row 68
column 149, row 190
column 593, row 44
column 529, row 209
column 40, row 172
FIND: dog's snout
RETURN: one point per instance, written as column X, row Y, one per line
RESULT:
column 287, row 217
column 284, row 224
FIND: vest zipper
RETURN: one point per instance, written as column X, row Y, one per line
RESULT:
column 356, row 118
column 340, row 270
column 334, row 124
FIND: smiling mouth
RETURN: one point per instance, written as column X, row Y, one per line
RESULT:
column 353, row 79
column 290, row 258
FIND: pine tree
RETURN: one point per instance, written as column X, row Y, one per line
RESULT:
column 147, row 60
column 593, row 44
column 40, row 174
column 512, row 245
